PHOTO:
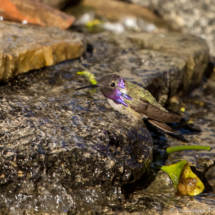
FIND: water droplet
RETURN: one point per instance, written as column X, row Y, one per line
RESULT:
column 24, row 22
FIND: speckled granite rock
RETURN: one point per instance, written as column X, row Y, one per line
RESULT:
column 65, row 147
column 24, row 48
column 189, row 16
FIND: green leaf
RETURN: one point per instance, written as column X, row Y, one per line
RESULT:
column 174, row 171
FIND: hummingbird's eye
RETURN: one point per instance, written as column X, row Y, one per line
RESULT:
column 112, row 84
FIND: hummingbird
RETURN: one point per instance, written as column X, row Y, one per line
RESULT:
column 134, row 101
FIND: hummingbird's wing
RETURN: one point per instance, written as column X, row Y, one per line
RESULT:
column 144, row 107
column 161, row 125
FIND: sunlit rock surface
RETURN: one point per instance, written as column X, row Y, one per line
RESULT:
column 24, row 48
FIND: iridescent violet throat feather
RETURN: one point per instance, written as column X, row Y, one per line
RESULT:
column 118, row 97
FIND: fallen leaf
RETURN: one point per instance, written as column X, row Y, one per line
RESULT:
column 185, row 181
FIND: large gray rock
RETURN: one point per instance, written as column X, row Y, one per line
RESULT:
column 24, row 48
column 185, row 56
column 65, row 148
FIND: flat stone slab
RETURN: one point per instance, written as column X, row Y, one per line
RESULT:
column 193, row 51
column 24, row 48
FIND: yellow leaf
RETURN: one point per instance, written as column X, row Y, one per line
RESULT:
column 189, row 183
column 89, row 75
column 93, row 23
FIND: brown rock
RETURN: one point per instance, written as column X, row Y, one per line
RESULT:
column 24, row 48
column 34, row 12
column 9, row 11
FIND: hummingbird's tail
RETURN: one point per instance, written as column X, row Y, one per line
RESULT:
column 161, row 125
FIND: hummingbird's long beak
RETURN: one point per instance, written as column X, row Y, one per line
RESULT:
column 90, row 86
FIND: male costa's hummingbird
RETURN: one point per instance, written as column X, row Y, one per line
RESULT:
column 134, row 101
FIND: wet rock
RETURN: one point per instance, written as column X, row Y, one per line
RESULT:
column 33, row 12
column 210, row 177
column 206, row 162
column 192, row 55
column 145, row 203
column 161, row 184
column 199, row 107
column 160, row 198
column 24, row 48
column 64, row 150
